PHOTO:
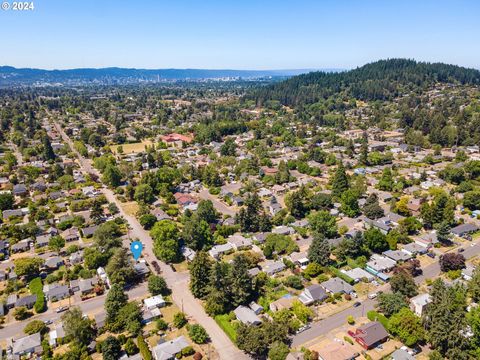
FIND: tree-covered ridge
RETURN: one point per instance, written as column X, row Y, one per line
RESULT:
column 380, row 80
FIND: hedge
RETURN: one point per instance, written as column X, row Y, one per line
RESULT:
column 36, row 288
column 143, row 348
column 342, row 276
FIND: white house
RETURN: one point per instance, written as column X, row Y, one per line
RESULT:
column 419, row 302
column 154, row 302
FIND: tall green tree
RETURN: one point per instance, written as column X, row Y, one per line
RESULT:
column 48, row 152
column 78, row 327
column 445, row 320
column 319, row 250
column 166, row 246
column 200, row 270
column 372, row 208
column 116, row 299
column 339, row 182
column 386, row 181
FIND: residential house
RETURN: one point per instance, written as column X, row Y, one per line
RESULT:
column 401, row 354
column 380, row 264
column 335, row 350
column 58, row 333
column 57, row 292
column 285, row 302
column 273, row 267
column 313, row 293
column 358, row 274
column 336, row 285
column 169, row 349
column 299, row 259
column 239, row 242
column 397, row 255
column 369, row 335
column 219, row 250
column 153, row 302
column 71, row 234
column 87, row 286
column 53, row 262
column 89, row 231
column 25, row 346
column 414, row 248
column 247, row 316
column 26, row 301
column 464, row 230
column 418, row 303
column 20, row 190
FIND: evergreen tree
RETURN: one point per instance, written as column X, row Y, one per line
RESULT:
column 48, row 152
column 363, row 159
column 319, row 250
column 443, row 233
column 340, row 181
column 116, row 299
column 445, row 319
column 200, row 270
column 372, row 208
column 241, row 286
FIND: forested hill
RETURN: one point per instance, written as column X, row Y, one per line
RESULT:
column 381, row 80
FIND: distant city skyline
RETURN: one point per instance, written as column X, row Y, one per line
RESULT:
column 246, row 35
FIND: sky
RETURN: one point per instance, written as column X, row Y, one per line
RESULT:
column 240, row 34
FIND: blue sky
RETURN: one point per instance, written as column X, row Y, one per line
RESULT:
column 242, row 34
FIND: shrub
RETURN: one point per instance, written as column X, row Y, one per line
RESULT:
column 350, row 320
column 198, row 334
column 130, row 347
column 347, row 339
column 162, row 325
column 179, row 320
column 188, row 351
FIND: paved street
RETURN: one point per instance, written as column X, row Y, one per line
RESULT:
column 91, row 306
column 322, row 327
column 177, row 282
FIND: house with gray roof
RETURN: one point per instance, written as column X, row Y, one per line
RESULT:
column 27, row 301
column 336, row 285
column 397, row 255
column 58, row 293
column 273, row 267
column 464, row 229
column 247, row 316
column 26, row 346
column 313, row 293
column 168, row 350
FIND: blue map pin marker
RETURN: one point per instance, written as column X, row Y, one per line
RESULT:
column 136, row 248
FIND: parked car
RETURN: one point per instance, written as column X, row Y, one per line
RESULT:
column 48, row 322
column 372, row 295
column 357, row 304
column 461, row 250
column 303, row 328
column 430, row 254
column 62, row 309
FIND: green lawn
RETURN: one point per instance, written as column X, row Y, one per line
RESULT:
column 224, row 322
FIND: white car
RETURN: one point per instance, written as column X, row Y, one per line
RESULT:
column 372, row 295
